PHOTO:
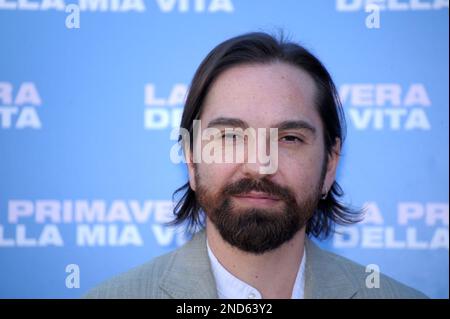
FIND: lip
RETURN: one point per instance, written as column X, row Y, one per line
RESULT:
column 258, row 198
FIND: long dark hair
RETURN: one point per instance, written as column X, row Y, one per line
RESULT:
column 262, row 48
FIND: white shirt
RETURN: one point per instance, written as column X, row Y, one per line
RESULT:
column 230, row 287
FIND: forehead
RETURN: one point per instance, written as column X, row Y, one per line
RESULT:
column 262, row 94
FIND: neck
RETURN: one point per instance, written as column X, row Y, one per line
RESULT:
column 272, row 273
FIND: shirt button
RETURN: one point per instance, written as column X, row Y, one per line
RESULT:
column 251, row 295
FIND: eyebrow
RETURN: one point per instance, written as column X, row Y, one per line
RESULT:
column 228, row 121
column 285, row 125
column 296, row 125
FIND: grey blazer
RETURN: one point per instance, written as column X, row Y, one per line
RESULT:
column 186, row 274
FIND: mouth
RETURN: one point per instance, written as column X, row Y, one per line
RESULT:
column 258, row 198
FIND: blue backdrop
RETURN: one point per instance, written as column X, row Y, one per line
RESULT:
column 86, row 113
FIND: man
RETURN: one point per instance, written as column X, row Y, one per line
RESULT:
column 257, row 220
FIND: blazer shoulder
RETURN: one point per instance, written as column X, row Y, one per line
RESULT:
column 384, row 288
column 139, row 282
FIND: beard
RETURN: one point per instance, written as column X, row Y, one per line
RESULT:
column 257, row 230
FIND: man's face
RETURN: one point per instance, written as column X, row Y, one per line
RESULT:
column 252, row 211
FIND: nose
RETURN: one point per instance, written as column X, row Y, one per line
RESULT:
column 261, row 156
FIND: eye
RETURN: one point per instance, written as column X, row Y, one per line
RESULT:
column 291, row 139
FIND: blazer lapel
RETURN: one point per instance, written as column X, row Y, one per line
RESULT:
column 325, row 276
column 189, row 275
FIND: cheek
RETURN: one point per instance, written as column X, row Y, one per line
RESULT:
column 215, row 176
column 300, row 170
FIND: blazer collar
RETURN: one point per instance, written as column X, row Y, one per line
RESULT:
column 189, row 274
column 326, row 275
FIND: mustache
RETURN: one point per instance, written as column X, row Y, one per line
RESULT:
column 264, row 185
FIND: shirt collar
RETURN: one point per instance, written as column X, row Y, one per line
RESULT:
column 231, row 287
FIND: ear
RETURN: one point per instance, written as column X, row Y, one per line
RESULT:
column 333, row 160
column 191, row 168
